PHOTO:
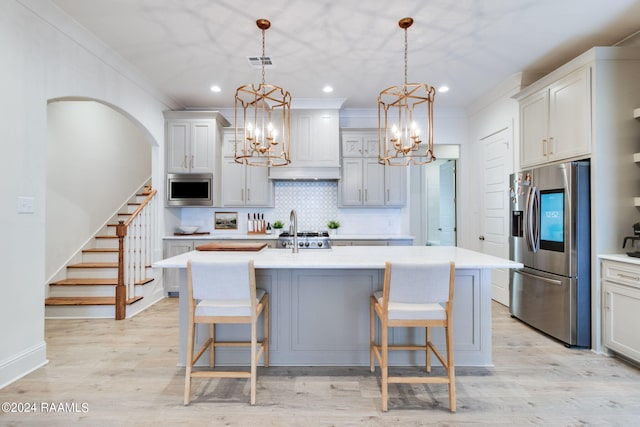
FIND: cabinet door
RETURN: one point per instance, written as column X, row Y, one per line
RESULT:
column 178, row 135
column 315, row 138
column 201, row 156
column 259, row 189
column 621, row 307
column 570, row 116
column 351, row 146
column 374, row 189
column 233, row 183
column 326, row 143
column 351, row 182
column 229, row 141
column 395, row 185
column 370, row 144
column 534, row 128
column 171, row 276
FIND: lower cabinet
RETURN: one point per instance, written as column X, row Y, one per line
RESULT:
column 171, row 276
column 621, row 308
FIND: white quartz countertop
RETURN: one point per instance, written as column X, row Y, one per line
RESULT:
column 620, row 258
column 275, row 236
column 371, row 237
column 347, row 257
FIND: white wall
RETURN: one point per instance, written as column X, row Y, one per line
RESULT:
column 46, row 56
column 495, row 111
column 96, row 159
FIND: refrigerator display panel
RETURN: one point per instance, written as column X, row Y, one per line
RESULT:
column 552, row 220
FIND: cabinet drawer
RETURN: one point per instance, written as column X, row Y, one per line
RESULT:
column 627, row 274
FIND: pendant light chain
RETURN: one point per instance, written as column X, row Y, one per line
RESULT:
column 262, row 57
column 405, row 56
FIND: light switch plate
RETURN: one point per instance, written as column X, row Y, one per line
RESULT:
column 25, row 204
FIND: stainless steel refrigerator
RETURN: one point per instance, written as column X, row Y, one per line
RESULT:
column 550, row 235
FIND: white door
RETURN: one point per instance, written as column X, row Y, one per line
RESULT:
column 447, row 226
column 494, row 238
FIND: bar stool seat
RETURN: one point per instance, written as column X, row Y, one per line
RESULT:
column 225, row 292
column 414, row 295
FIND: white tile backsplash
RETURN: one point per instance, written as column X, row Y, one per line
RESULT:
column 316, row 202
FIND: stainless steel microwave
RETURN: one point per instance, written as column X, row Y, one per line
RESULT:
column 192, row 189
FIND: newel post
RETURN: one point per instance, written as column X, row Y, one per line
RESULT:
column 121, row 290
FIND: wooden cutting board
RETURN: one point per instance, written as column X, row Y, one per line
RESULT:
column 231, row 246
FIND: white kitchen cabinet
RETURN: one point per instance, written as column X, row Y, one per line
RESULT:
column 555, row 122
column 364, row 181
column 243, row 185
column 170, row 276
column 395, row 185
column 315, row 138
column 621, row 308
column 360, row 145
column 191, row 138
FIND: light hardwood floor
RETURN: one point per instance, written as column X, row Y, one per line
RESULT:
column 124, row 372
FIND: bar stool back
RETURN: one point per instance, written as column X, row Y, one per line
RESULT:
column 225, row 292
column 414, row 295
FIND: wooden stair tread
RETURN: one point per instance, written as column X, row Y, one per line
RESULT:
column 94, row 265
column 100, row 250
column 86, row 300
column 106, row 236
column 95, row 282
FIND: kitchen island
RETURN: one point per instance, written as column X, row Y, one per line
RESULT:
column 320, row 303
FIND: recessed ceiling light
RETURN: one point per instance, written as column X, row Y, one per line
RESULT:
column 215, row 88
column 327, row 89
column 443, row 89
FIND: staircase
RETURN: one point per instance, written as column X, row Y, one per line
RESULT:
column 89, row 288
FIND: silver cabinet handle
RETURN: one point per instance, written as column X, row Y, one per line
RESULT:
column 248, row 194
column 192, row 161
column 551, row 144
column 184, row 162
column 366, row 195
column 479, row 238
column 359, row 195
column 544, row 147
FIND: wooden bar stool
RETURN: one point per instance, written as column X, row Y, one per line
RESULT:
column 225, row 292
column 414, row 295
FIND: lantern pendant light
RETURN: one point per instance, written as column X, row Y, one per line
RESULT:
column 262, row 118
column 402, row 112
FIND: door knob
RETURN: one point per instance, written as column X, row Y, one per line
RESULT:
column 481, row 238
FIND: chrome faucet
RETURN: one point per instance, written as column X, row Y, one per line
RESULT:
column 293, row 230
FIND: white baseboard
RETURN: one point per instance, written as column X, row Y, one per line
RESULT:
column 23, row 363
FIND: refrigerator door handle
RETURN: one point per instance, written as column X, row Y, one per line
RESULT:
column 544, row 279
column 535, row 215
column 532, row 232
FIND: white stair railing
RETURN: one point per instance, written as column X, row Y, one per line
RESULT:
column 135, row 236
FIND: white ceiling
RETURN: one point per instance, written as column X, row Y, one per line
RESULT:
column 185, row 46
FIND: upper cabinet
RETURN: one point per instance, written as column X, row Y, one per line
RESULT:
column 315, row 138
column 364, row 181
column 243, row 185
column 191, row 140
column 315, row 146
column 555, row 121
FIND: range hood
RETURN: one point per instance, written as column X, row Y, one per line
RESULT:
column 315, row 142
column 311, row 173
